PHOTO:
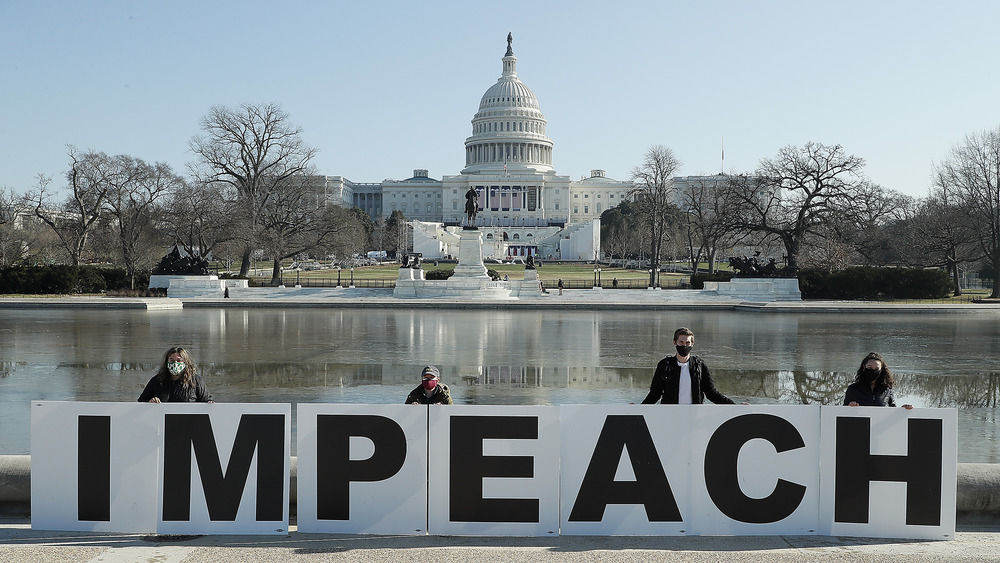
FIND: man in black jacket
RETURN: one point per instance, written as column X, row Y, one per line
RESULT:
column 682, row 378
column 430, row 391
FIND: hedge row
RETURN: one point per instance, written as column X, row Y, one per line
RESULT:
column 874, row 283
column 58, row 279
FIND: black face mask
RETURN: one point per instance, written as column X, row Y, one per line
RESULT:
column 870, row 374
column 683, row 350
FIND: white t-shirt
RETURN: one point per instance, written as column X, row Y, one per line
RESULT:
column 684, row 385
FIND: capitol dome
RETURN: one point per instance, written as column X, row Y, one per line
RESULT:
column 508, row 131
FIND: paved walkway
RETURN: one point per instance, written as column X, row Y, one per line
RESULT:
column 19, row 543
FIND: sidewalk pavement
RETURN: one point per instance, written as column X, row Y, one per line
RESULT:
column 18, row 542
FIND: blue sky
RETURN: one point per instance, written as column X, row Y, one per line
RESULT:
column 382, row 88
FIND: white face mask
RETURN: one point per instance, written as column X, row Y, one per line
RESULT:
column 175, row 368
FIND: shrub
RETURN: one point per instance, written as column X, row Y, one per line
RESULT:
column 862, row 282
column 439, row 274
column 62, row 279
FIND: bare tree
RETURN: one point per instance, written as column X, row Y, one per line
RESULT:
column 196, row 218
column 254, row 150
column 653, row 194
column 74, row 220
column 293, row 223
column 794, row 194
column 11, row 246
column 135, row 189
column 711, row 221
column 395, row 228
column 971, row 176
column 941, row 234
column 865, row 224
column 619, row 231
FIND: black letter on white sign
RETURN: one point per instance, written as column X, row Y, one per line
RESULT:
column 469, row 466
column 722, row 478
column 334, row 468
column 93, row 468
column 262, row 432
column 920, row 468
column 650, row 487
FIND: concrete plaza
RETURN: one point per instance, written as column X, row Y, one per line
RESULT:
column 18, row 542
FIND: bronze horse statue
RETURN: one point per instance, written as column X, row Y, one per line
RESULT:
column 471, row 206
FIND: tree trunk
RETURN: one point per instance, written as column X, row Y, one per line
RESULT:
column 792, row 246
column 996, row 276
column 953, row 266
column 245, row 264
column 711, row 260
column 276, row 272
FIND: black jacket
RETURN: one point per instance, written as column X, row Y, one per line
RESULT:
column 175, row 391
column 441, row 395
column 865, row 396
column 666, row 380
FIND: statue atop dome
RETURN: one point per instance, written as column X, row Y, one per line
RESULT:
column 510, row 49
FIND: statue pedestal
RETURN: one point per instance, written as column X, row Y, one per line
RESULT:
column 758, row 289
column 470, row 255
column 470, row 280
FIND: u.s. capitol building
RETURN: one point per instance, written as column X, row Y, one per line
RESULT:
column 525, row 208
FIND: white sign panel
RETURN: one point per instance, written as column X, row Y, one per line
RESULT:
column 225, row 468
column 625, row 469
column 94, row 466
column 493, row 470
column 889, row 472
column 754, row 470
column 362, row 468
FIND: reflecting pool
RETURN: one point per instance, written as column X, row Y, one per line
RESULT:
column 497, row 357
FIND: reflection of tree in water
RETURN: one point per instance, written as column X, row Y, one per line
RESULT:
column 822, row 387
column 747, row 383
column 800, row 387
column 291, row 374
column 964, row 391
column 7, row 368
column 828, row 387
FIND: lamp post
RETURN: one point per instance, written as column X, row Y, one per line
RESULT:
column 338, row 276
column 595, row 278
column 650, row 278
column 599, row 277
column 352, row 276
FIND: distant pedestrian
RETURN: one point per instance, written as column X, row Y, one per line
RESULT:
column 560, row 284
column 614, row 283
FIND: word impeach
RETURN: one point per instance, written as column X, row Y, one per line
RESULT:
column 495, row 470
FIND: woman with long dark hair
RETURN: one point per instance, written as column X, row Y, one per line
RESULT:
column 872, row 385
column 176, row 381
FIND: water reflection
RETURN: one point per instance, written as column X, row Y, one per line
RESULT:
column 495, row 357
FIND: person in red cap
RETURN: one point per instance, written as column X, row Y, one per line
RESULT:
column 430, row 391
